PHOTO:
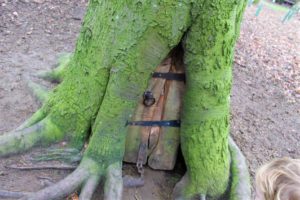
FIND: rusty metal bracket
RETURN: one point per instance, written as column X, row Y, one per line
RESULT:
column 142, row 156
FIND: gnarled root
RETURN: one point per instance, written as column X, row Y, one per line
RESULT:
column 89, row 188
column 87, row 177
column 56, row 75
column 38, row 91
column 69, row 155
column 66, row 186
column 12, row 195
column 21, row 140
column 240, row 188
column 178, row 192
column 35, row 118
column 240, row 178
column 114, row 184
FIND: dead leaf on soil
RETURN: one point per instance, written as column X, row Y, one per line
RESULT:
column 73, row 196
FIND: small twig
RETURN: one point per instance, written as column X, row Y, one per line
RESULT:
column 240, row 64
column 44, row 177
column 58, row 167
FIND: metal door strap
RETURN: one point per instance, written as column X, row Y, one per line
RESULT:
column 167, row 123
column 169, row 76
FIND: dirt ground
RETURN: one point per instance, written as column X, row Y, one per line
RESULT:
column 265, row 95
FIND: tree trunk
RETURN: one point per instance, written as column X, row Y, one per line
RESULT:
column 209, row 48
column 120, row 44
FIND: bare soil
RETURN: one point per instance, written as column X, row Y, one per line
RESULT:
column 265, row 95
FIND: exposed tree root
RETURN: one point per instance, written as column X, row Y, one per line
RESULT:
column 40, row 92
column 56, row 75
column 178, row 191
column 89, row 188
column 35, row 118
column 65, row 115
column 240, row 178
column 66, row 186
column 57, row 167
column 70, row 155
column 4, row 194
column 86, row 176
column 21, row 140
column 114, row 184
column 12, row 195
column 240, row 181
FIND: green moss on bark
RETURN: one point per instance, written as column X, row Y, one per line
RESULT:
column 141, row 34
column 209, row 48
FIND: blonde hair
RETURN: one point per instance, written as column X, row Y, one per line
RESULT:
column 279, row 179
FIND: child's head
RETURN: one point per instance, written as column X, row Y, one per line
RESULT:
column 279, row 180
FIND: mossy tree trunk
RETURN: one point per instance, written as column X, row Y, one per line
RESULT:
column 209, row 50
column 120, row 44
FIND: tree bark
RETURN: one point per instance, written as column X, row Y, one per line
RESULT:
column 209, row 49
